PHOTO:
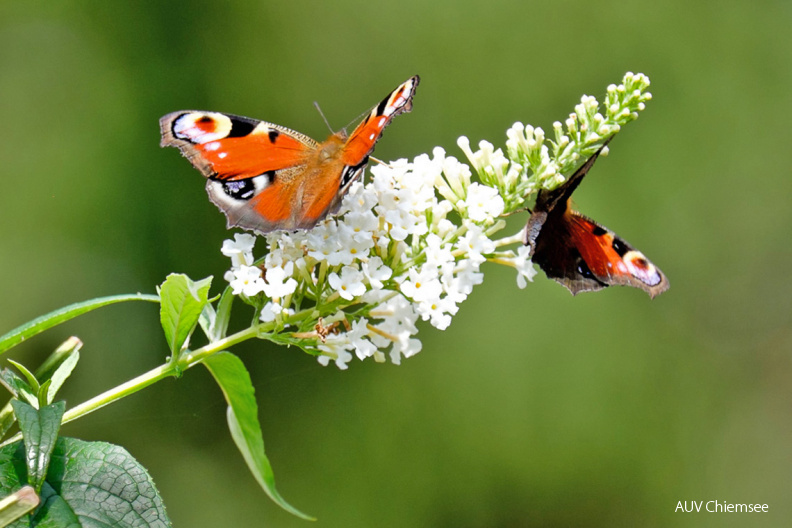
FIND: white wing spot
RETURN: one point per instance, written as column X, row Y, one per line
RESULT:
column 371, row 136
column 222, row 155
column 214, row 145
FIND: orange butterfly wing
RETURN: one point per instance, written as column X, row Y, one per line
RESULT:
column 611, row 259
column 362, row 140
column 229, row 147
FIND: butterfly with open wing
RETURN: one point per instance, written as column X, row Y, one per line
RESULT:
column 265, row 177
column 578, row 252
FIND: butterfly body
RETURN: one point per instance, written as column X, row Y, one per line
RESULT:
column 266, row 177
column 578, row 252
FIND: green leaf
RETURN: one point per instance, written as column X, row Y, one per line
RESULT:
column 220, row 326
column 31, row 379
column 207, row 320
column 215, row 323
column 55, row 369
column 61, row 315
column 89, row 485
column 61, row 354
column 61, row 374
column 181, row 303
column 18, row 387
column 42, row 394
column 39, row 432
column 17, row 504
column 242, row 414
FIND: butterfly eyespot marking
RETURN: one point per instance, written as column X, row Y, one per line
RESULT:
column 640, row 262
column 240, row 189
column 580, row 265
column 642, row 269
column 584, row 270
column 200, row 128
column 236, row 191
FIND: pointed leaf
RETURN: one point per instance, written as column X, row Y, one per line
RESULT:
column 89, row 484
column 61, row 315
column 29, row 376
column 18, row 387
column 215, row 323
column 61, row 374
column 181, row 303
column 220, row 326
column 39, row 432
column 42, row 394
column 64, row 351
column 242, row 414
column 207, row 320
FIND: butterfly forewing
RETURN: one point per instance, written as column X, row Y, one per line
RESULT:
column 361, row 141
column 229, row 147
column 611, row 259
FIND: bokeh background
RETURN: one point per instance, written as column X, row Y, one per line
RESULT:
column 534, row 408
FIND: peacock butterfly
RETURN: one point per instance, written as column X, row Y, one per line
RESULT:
column 580, row 253
column 266, row 177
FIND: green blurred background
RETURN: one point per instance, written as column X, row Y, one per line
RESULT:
column 534, row 408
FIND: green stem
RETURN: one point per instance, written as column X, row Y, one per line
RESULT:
column 116, row 393
column 190, row 359
column 187, row 360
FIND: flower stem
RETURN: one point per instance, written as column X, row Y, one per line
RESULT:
column 187, row 360
column 116, row 393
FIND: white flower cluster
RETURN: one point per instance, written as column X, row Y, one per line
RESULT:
column 390, row 257
column 409, row 244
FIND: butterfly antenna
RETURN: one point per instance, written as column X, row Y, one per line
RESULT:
column 319, row 109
